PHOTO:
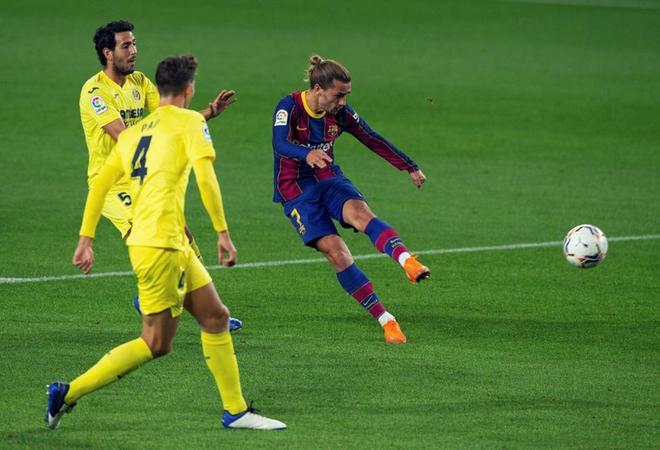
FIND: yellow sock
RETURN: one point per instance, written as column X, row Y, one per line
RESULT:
column 219, row 354
column 115, row 364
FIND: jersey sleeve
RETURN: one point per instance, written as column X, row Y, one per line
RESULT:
column 198, row 138
column 152, row 97
column 355, row 125
column 281, row 125
column 107, row 177
column 96, row 102
column 209, row 190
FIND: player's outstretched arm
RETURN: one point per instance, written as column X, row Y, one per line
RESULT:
column 356, row 126
column 209, row 190
column 217, row 106
column 418, row 178
column 83, row 257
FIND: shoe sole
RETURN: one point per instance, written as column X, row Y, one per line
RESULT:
column 423, row 276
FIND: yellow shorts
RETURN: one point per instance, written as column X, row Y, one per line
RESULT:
column 118, row 209
column 165, row 276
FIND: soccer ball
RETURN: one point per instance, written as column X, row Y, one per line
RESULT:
column 585, row 246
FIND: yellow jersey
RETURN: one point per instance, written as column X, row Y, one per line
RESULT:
column 103, row 101
column 157, row 156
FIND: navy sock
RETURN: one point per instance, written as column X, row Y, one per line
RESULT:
column 356, row 283
column 385, row 239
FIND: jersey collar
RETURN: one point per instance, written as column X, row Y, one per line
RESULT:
column 111, row 82
column 308, row 110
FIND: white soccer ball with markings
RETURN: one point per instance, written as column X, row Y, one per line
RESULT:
column 585, row 246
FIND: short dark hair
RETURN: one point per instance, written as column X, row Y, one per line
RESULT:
column 174, row 73
column 105, row 37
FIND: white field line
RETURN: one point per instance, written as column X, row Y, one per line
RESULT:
column 490, row 248
column 625, row 4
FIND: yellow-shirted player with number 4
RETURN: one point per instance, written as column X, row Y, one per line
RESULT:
column 117, row 98
column 157, row 155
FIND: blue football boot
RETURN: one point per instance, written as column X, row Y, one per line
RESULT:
column 56, row 406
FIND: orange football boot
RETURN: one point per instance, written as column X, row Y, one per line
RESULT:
column 415, row 270
column 393, row 333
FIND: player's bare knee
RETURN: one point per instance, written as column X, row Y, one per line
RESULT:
column 340, row 258
column 363, row 218
column 217, row 321
column 159, row 347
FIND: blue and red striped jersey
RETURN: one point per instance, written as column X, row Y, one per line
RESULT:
column 297, row 130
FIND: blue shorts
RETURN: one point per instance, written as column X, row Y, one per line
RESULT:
column 311, row 213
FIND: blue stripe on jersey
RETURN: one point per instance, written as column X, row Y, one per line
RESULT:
column 316, row 131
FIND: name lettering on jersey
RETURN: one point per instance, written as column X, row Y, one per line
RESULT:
column 281, row 118
column 131, row 116
column 149, row 125
column 98, row 104
column 326, row 146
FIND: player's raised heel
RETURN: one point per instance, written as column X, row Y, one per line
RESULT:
column 56, row 407
column 415, row 270
column 234, row 323
column 393, row 333
column 249, row 419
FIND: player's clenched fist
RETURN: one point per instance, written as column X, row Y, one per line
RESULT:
column 227, row 253
column 418, row 178
column 83, row 257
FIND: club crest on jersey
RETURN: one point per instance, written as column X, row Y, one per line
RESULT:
column 281, row 117
column 207, row 134
column 333, row 130
column 136, row 95
column 98, row 104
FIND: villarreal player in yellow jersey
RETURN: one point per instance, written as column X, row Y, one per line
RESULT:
column 103, row 105
column 116, row 98
column 157, row 155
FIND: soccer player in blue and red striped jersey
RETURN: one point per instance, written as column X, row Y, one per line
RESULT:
column 313, row 190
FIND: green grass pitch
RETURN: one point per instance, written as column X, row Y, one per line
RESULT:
column 527, row 118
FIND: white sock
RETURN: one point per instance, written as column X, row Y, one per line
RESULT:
column 402, row 258
column 384, row 318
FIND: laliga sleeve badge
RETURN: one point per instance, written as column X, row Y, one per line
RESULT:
column 281, row 118
column 98, row 104
column 207, row 134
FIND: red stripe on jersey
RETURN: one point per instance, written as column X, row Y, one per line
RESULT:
column 287, row 178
